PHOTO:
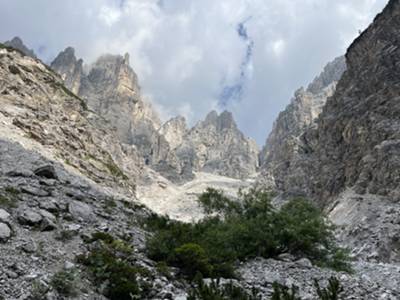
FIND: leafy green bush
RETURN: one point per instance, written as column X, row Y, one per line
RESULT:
column 64, row 282
column 192, row 258
column 213, row 200
column 38, row 291
column 244, row 229
column 109, row 263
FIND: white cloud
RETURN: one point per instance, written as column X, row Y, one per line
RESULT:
column 186, row 51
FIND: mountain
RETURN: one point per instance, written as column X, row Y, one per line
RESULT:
column 347, row 161
column 283, row 148
column 39, row 109
column 111, row 89
column 216, row 145
column 18, row 44
column 72, row 220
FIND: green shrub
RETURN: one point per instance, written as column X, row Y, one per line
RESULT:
column 9, row 197
column 109, row 263
column 64, row 282
column 101, row 236
column 248, row 228
column 216, row 291
column 192, row 258
column 38, row 291
column 331, row 292
column 163, row 269
column 213, row 200
column 282, row 292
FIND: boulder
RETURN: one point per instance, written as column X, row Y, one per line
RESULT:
column 80, row 211
column 5, row 232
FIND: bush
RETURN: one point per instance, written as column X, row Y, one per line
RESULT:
column 213, row 200
column 331, row 292
column 216, row 291
column 64, row 282
column 282, row 292
column 245, row 229
column 109, row 263
column 192, row 258
column 38, row 291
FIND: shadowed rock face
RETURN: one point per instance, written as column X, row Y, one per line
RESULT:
column 17, row 43
column 70, row 69
column 358, row 135
column 283, row 148
column 355, row 141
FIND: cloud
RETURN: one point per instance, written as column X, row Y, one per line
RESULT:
column 191, row 56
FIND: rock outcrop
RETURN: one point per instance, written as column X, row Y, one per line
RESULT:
column 283, row 149
column 63, row 175
column 70, row 69
column 348, row 161
column 111, row 89
column 217, row 146
column 358, row 135
column 40, row 112
column 18, row 44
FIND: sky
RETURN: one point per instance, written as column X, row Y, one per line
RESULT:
column 192, row 56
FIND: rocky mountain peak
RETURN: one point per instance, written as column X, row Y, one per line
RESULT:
column 300, row 114
column 70, row 69
column 17, row 43
column 216, row 145
column 114, row 71
column 221, row 121
column 332, row 72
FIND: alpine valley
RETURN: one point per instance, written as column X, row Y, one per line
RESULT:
column 95, row 190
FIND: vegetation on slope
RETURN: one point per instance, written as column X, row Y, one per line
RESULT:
column 239, row 230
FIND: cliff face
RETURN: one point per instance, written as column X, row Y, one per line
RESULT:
column 216, row 145
column 354, row 142
column 39, row 110
column 358, row 136
column 348, row 159
column 283, row 151
column 111, row 89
